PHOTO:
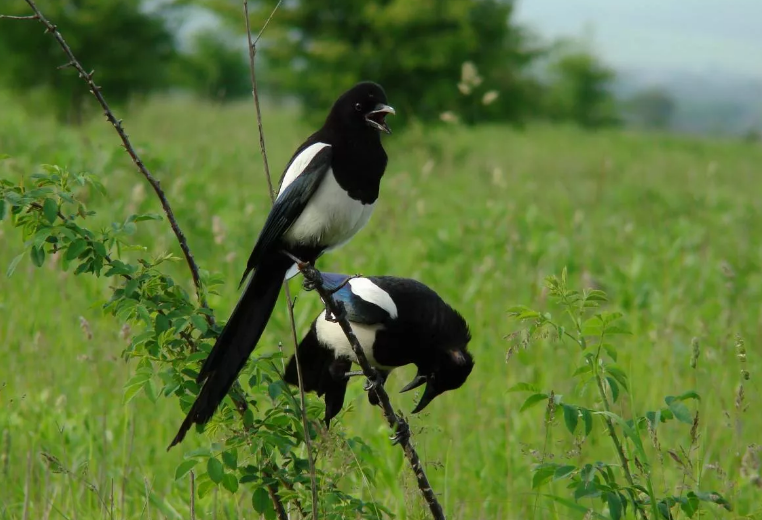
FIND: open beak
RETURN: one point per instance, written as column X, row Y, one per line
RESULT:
column 428, row 395
column 377, row 118
column 417, row 381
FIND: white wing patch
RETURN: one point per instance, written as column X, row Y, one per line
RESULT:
column 374, row 294
column 332, row 336
column 299, row 164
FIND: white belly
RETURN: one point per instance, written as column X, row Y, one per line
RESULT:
column 330, row 218
column 331, row 335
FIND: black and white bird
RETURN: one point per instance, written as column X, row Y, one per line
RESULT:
column 397, row 321
column 327, row 194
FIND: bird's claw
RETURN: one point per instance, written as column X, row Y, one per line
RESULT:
column 374, row 382
column 402, row 435
column 308, row 285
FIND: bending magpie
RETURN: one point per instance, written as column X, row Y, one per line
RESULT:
column 397, row 321
column 327, row 194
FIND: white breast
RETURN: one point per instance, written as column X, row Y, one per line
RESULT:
column 331, row 335
column 330, row 218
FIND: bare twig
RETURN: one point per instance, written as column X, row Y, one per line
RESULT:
column 117, row 123
column 263, row 150
column 336, row 308
column 12, row 17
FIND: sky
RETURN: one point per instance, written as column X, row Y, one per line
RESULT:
column 686, row 36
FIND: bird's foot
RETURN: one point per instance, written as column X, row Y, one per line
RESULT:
column 334, row 318
column 308, row 285
column 374, row 382
column 402, row 435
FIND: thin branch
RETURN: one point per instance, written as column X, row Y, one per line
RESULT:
column 336, row 308
column 263, row 150
column 117, row 123
column 12, row 17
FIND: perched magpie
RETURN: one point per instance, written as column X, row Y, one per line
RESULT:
column 397, row 321
column 327, row 194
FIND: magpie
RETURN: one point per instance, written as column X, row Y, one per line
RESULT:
column 397, row 321
column 326, row 195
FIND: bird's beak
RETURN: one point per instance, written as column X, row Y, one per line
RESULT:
column 417, row 381
column 428, row 395
column 376, row 118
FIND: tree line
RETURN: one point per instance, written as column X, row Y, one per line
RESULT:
column 457, row 60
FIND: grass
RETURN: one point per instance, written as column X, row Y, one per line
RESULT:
column 666, row 225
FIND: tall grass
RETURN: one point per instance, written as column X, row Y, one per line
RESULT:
column 667, row 226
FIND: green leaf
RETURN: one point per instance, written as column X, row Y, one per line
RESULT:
column 715, row 498
column 260, row 500
column 688, row 395
column 614, row 388
column 583, row 369
column 690, row 505
column 205, row 487
column 230, row 458
column 587, row 418
column 563, row 472
column 543, row 473
column 571, row 417
column 3, row 209
column 615, row 505
column 184, row 468
column 610, row 350
column 230, row 482
column 610, row 330
column 215, row 470
column 38, row 255
column 13, row 264
column 523, row 387
column 586, row 489
column 596, row 296
column 200, row 323
column 50, row 210
column 532, row 400
column 618, row 374
column 75, row 249
column 680, row 411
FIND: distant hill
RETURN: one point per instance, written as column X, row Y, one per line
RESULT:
column 713, row 102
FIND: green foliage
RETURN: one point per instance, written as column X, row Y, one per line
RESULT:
column 414, row 49
column 129, row 49
column 578, row 88
column 215, row 67
column 615, row 484
column 172, row 334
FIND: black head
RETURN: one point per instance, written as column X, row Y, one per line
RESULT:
column 362, row 108
column 449, row 371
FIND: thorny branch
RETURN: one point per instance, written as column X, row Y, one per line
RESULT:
column 117, row 123
column 336, row 308
column 302, row 398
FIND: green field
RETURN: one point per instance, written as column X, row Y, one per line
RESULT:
column 664, row 224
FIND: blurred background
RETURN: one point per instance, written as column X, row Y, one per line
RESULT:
column 594, row 63
column 619, row 140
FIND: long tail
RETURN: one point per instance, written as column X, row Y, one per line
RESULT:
column 236, row 342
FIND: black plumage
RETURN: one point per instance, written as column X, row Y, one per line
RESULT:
column 327, row 193
column 398, row 321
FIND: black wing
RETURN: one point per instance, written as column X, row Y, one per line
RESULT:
column 288, row 206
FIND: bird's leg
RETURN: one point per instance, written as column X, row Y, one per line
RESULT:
column 334, row 318
column 353, row 373
column 402, row 435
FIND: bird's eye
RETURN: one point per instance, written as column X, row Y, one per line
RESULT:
column 358, row 107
